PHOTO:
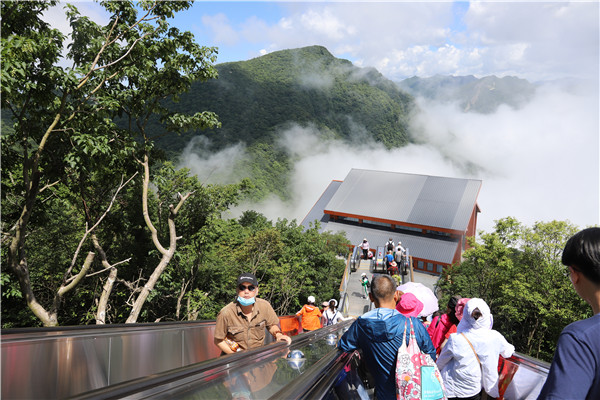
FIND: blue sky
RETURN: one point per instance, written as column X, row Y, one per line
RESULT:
column 533, row 40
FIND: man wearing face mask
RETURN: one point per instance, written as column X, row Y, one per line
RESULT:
column 241, row 324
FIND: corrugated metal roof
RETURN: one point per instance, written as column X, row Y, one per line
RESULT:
column 316, row 213
column 415, row 199
column 419, row 246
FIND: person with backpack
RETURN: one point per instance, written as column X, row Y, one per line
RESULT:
column 440, row 325
column 389, row 246
column 380, row 332
column 469, row 360
column 389, row 257
column 332, row 316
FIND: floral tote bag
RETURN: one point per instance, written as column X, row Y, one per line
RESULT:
column 417, row 376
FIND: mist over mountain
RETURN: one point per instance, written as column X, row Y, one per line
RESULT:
column 297, row 119
column 258, row 100
column 482, row 95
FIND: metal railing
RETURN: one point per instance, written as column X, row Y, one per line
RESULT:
column 64, row 361
column 251, row 372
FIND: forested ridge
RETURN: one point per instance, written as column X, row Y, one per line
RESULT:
column 256, row 100
column 98, row 226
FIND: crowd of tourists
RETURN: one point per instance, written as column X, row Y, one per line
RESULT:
column 455, row 354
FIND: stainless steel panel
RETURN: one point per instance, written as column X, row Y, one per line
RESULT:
column 53, row 369
column 198, row 345
column 137, row 354
column 52, row 364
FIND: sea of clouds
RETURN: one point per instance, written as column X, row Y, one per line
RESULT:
column 536, row 163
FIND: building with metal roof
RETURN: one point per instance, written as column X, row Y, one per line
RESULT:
column 430, row 215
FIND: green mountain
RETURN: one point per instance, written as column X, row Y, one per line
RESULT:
column 258, row 99
column 482, row 95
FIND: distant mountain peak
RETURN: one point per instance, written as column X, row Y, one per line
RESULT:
column 483, row 95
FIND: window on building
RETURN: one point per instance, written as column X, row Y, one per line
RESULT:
column 430, row 267
column 444, row 234
column 420, row 265
column 408, row 228
column 440, row 268
column 377, row 223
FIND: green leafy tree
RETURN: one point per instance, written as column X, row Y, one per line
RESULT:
column 291, row 263
column 64, row 146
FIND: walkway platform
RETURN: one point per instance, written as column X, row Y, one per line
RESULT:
column 358, row 305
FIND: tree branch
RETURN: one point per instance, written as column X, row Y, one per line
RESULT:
column 88, row 231
column 145, row 212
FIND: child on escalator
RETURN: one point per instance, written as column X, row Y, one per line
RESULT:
column 365, row 283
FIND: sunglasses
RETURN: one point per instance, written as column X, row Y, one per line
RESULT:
column 244, row 287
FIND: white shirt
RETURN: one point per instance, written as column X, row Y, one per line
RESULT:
column 332, row 316
column 459, row 368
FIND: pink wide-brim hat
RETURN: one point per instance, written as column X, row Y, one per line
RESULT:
column 409, row 305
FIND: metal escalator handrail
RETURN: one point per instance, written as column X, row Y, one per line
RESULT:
column 315, row 383
column 532, row 363
column 210, row 368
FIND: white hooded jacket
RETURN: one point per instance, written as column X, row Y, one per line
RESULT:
column 462, row 374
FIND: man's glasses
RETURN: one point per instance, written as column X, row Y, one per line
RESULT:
column 244, row 287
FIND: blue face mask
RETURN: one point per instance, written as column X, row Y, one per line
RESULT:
column 246, row 302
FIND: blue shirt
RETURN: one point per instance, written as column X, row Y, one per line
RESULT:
column 379, row 333
column 575, row 369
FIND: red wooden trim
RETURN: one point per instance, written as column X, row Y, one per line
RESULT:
column 391, row 222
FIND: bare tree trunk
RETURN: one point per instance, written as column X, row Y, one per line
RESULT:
column 191, row 314
column 184, row 286
column 167, row 254
column 106, row 290
column 17, row 255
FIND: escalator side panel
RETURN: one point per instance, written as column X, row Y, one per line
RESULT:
column 58, row 363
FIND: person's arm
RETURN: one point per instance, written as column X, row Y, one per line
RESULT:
column 273, row 326
column 423, row 338
column 349, row 340
column 446, row 355
column 223, row 346
column 221, row 333
column 573, row 363
column 506, row 349
column 278, row 335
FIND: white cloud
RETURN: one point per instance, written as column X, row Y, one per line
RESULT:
column 539, row 163
column 222, row 30
column 533, row 40
column 213, row 167
column 327, row 24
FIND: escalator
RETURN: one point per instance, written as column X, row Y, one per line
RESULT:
column 180, row 360
column 264, row 373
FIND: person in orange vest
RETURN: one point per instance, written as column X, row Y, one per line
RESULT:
column 310, row 315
